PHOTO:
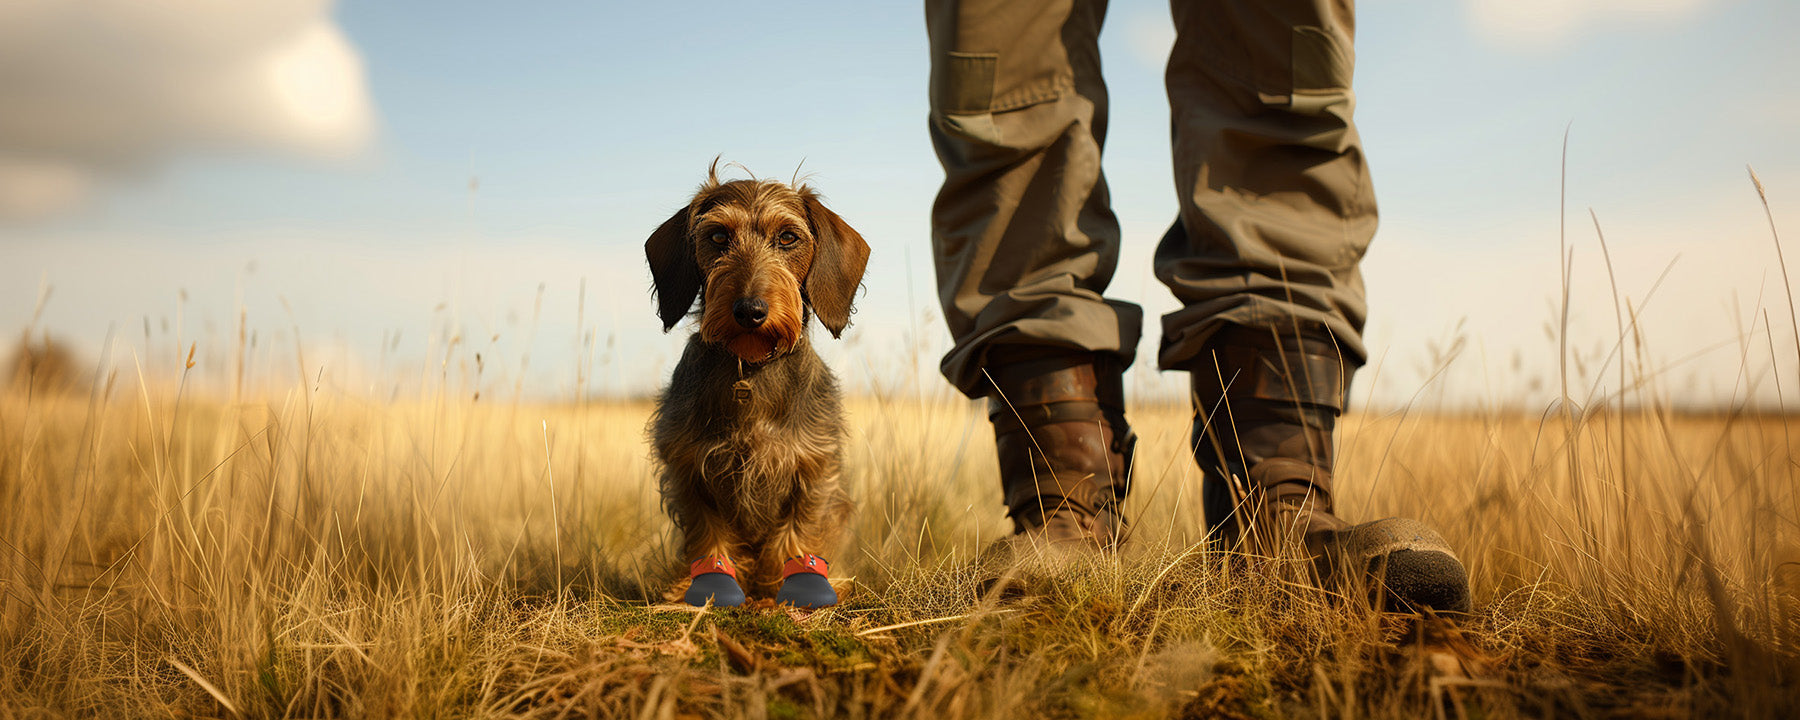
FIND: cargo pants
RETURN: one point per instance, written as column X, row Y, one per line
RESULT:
column 1275, row 204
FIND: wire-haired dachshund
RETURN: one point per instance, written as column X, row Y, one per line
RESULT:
column 750, row 429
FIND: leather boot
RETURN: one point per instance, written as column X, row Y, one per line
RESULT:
column 1064, row 447
column 1266, row 405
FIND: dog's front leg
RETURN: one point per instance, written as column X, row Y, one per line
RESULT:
column 803, row 579
column 707, row 544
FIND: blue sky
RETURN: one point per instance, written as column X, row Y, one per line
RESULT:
column 518, row 145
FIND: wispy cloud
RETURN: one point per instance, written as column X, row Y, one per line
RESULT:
column 107, row 89
column 1538, row 24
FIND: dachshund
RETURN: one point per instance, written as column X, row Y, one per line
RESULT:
column 750, row 429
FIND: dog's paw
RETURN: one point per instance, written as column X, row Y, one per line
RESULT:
column 721, row 589
column 804, row 585
column 806, row 591
column 714, row 579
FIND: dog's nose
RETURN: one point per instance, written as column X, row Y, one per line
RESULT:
column 750, row 312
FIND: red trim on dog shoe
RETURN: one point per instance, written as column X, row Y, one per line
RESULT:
column 712, row 564
column 808, row 563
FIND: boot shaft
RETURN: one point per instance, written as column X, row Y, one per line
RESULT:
column 1063, row 444
column 1266, row 404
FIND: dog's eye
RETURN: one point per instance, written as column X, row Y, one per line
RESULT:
column 719, row 238
column 787, row 237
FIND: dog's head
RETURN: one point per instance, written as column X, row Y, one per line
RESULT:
column 758, row 254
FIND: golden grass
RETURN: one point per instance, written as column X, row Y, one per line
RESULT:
column 318, row 554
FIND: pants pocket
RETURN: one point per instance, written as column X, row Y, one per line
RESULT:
column 966, row 83
column 963, row 83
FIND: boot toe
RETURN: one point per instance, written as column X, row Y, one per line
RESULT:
column 1420, row 579
column 1413, row 563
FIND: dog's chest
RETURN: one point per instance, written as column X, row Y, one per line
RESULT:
column 755, row 459
column 766, row 457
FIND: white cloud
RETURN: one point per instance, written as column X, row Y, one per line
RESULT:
column 1544, row 23
column 104, row 89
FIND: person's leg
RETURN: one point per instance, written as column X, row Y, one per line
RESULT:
column 1276, row 213
column 1276, row 203
column 1025, row 243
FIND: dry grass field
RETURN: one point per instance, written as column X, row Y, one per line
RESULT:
column 320, row 554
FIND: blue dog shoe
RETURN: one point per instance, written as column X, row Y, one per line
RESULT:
column 803, row 583
column 713, row 579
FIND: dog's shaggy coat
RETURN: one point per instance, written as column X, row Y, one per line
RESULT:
column 750, row 429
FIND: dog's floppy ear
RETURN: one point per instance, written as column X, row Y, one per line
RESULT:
column 839, row 256
column 674, row 274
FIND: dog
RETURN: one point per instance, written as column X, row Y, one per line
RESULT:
column 750, row 429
